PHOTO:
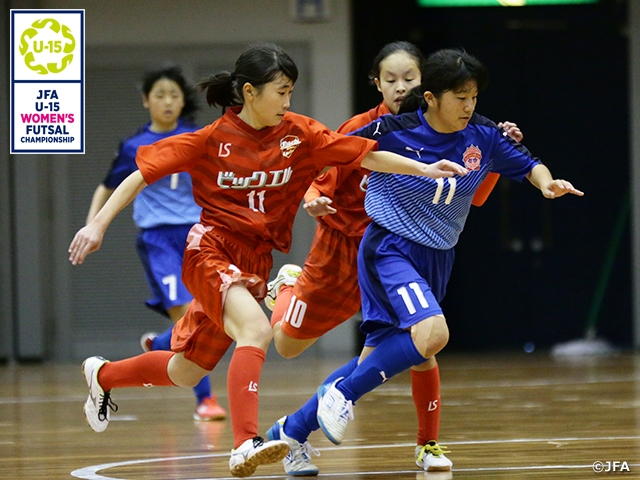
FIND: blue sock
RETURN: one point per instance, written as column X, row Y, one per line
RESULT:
column 202, row 389
column 300, row 425
column 395, row 354
column 163, row 341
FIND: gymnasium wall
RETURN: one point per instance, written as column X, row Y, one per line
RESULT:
column 528, row 270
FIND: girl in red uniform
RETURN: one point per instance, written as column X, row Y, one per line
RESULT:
column 250, row 169
column 309, row 302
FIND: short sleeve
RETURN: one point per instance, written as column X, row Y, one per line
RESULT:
column 335, row 149
column 512, row 162
column 179, row 153
column 123, row 165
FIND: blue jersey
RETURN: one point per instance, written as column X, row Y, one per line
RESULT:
column 169, row 201
column 432, row 212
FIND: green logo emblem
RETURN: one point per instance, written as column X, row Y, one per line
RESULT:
column 47, row 50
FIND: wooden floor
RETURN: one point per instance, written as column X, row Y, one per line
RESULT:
column 504, row 416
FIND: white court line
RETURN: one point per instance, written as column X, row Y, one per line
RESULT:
column 157, row 395
column 90, row 473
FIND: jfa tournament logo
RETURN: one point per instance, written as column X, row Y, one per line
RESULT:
column 47, row 81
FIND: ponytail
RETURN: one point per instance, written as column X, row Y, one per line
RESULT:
column 412, row 101
column 220, row 90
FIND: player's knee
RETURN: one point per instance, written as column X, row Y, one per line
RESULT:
column 256, row 334
column 289, row 347
column 430, row 336
column 286, row 349
column 183, row 372
column 263, row 336
column 286, row 346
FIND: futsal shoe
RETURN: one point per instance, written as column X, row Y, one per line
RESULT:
column 98, row 404
column 297, row 463
column 146, row 341
column 253, row 452
column 431, row 458
column 287, row 275
column 334, row 411
column 209, row 409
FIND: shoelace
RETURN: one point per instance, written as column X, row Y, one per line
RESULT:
column 434, row 449
column 306, row 449
column 309, row 450
column 347, row 411
column 301, row 454
column 105, row 403
column 258, row 441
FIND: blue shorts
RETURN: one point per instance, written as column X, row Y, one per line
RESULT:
column 161, row 250
column 401, row 282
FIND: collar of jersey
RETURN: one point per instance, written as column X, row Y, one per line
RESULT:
column 232, row 115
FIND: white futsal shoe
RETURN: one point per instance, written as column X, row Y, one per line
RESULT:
column 98, row 404
column 253, row 452
column 297, row 463
column 334, row 411
column 287, row 275
column 431, row 457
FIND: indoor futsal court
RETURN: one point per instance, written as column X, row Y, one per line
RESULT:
column 504, row 416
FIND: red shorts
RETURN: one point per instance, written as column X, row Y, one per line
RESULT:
column 327, row 292
column 213, row 260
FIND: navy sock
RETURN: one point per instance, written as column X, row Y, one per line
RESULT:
column 202, row 389
column 163, row 341
column 300, row 425
column 395, row 354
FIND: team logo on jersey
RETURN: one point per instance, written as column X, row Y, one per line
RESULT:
column 288, row 145
column 472, row 157
column 417, row 152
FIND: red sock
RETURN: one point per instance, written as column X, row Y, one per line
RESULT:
column 282, row 303
column 148, row 369
column 425, row 388
column 243, row 378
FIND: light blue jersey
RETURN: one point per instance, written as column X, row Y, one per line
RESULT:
column 432, row 212
column 169, row 201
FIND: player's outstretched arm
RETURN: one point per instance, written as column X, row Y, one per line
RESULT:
column 541, row 177
column 89, row 238
column 100, row 197
column 389, row 162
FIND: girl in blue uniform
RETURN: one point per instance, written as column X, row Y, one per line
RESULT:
column 164, row 212
column 406, row 255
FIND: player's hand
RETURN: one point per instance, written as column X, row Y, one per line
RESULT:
column 512, row 130
column 319, row 206
column 444, row 168
column 87, row 240
column 558, row 188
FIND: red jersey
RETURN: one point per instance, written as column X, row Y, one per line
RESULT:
column 250, row 182
column 347, row 186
